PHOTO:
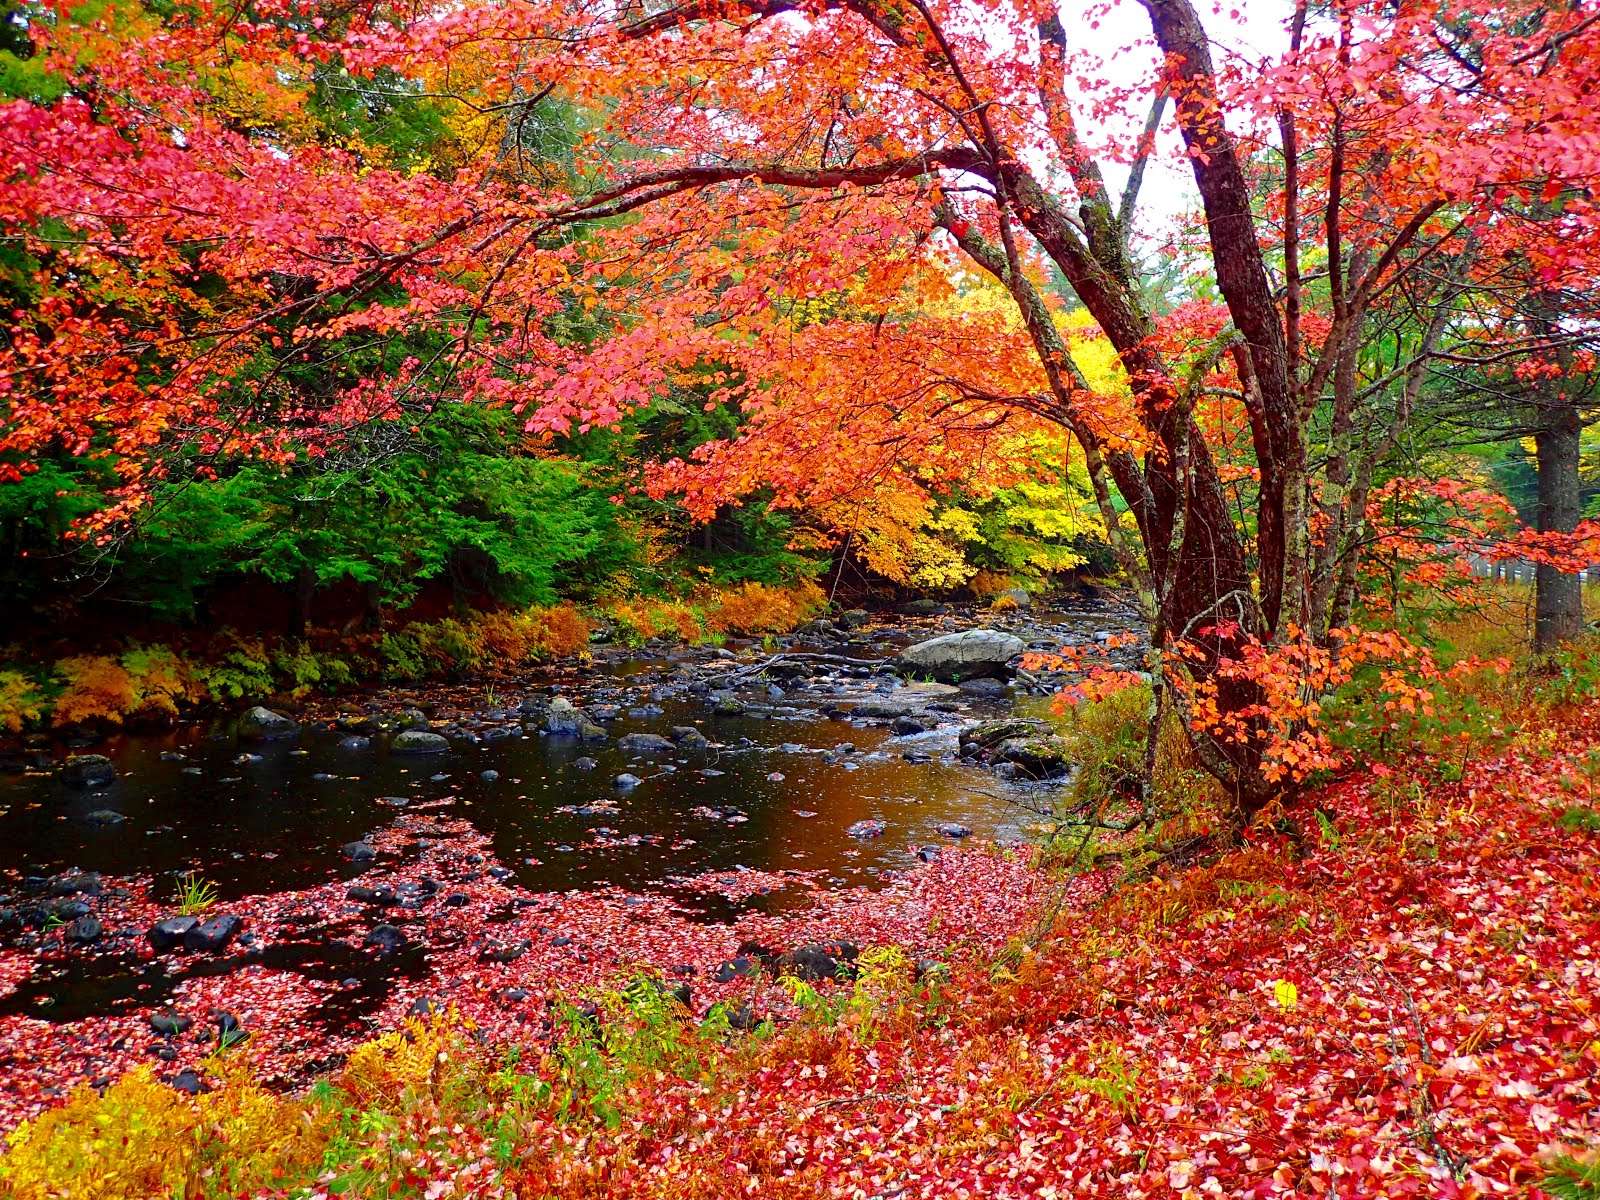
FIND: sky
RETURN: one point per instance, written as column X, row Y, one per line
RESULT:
column 1248, row 30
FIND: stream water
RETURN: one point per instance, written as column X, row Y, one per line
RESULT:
column 827, row 777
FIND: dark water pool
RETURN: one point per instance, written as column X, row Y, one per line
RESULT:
column 775, row 794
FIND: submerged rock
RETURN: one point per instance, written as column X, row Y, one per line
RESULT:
column 88, row 771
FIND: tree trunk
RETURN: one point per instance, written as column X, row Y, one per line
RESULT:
column 1558, row 595
column 305, row 587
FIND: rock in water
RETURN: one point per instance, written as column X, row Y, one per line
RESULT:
column 644, row 743
column 211, row 935
column 169, row 932
column 84, row 930
column 418, row 741
column 88, row 771
column 955, row 657
column 386, row 938
column 565, row 719
column 263, row 725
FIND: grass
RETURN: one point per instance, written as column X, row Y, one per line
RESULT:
column 194, row 894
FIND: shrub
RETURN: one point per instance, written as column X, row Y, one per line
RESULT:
column 21, row 701
column 97, row 689
column 759, row 608
column 244, row 672
column 143, row 1138
column 642, row 620
column 402, row 656
column 562, row 630
column 163, row 682
column 303, row 670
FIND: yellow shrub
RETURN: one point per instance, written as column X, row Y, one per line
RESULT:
column 427, row 1064
column 757, row 608
column 98, row 689
column 20, row 701
column 1004, row 604
column 989, row 583
column 162, row 681
column 652, row 618
column 143, row 1138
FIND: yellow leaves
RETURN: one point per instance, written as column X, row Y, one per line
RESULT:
column 20, row 701
column 1284, row 994
column 143, row 1138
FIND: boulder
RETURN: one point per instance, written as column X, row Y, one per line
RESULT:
column 689, row 738
column 835, row 960
column 358, row 851
column 853, row 618
column 88, row 771
column 1016, row 597
column 1043, row 757
column 211, row 936
column 988, row 734
column 644, row 743
column 169, row 932
column 169, row 1024
column 418, row 742
column 263, row 725
column 565, row 719
column 954, row 657
column 84, row 930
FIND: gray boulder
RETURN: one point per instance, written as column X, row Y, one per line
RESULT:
column 644, row 743
column 418, row 741
column 263, row 725
column 954, row 657
column 565, row 719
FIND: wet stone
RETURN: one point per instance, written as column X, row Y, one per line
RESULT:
column 88, row 771
column 169, row 1024
column 211, row 936
column 386, row 938
column 169, row 932
column 84, row 930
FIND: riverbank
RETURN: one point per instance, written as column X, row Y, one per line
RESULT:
column 184, row 675
column 1395, row 1000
